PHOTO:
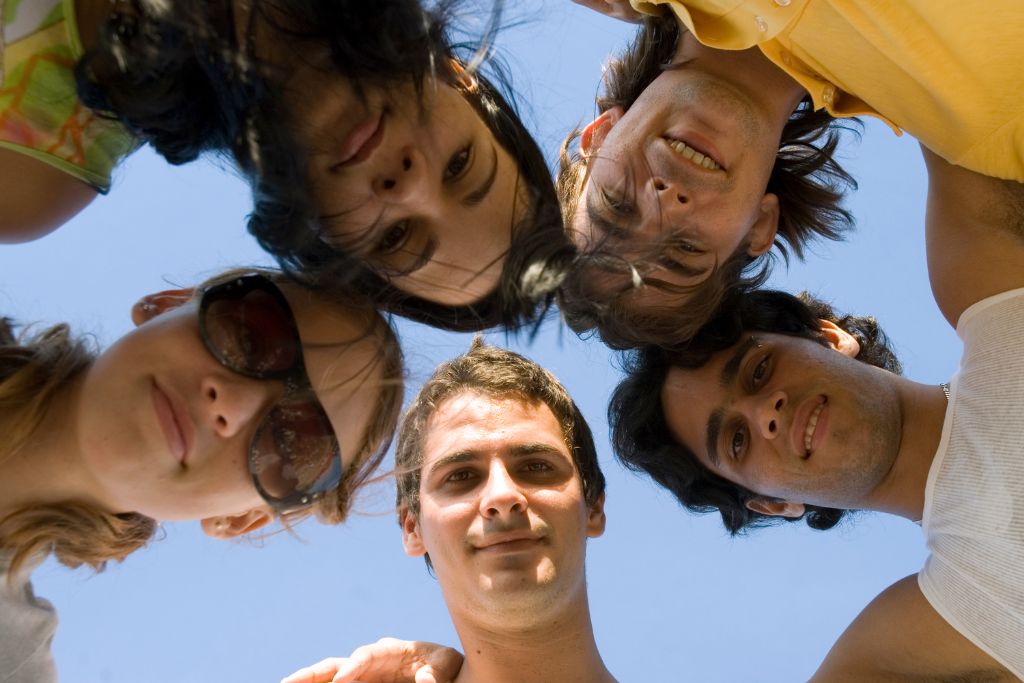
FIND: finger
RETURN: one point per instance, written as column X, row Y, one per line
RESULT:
column 321, row 672
column 443, row 665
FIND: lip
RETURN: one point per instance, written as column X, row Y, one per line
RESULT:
column 174, row 423
column 699, row 143
column 362, row 142
column 508, row 542
column 802, row 417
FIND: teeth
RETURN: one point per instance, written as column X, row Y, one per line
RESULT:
column 693, row 155
column 811, row 424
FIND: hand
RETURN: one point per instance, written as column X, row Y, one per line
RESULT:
column 618, row 9
column 389, row 660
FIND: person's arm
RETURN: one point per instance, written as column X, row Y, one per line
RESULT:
column 975, row 236
column 899, row 637
column 36, row 198
column 387, row 661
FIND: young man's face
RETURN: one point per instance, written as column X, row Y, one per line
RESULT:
column 789, row 418
column 681, row 173
column 502, row 510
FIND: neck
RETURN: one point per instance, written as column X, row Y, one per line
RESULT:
column 922, row 413
column 749, row 71
column 555, row 648
column 47, row 468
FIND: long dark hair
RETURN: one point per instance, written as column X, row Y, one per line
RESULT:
column 183, row 78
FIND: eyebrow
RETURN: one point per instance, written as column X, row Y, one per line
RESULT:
column 728, row 375
column 479, row 194
column 607, row 228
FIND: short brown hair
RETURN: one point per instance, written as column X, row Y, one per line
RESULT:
column 498, row 373
column 809, row 183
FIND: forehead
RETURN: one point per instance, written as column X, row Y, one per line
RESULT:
column 471, row 421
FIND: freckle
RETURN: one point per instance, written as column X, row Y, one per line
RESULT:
column 478, row 651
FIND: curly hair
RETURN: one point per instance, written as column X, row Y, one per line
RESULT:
column 809, row 183
column 641, row 437
column 498, row 373
column 176, row 75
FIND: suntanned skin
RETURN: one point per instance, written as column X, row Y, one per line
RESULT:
column 975, row 237
column 38, row 198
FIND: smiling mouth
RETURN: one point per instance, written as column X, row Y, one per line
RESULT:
column 692, row 154
column 812, row 425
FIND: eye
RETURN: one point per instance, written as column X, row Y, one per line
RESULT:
column 394, row 238
column 617, row 205
column 737, row 444
column 458, row 164
column 761, row 371
column 459, row 476
column 538, row 467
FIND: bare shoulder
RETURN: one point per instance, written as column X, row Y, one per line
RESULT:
column 36, row 198
column 900, row 637
column 975, row 235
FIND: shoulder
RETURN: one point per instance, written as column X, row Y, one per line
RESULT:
column 36, row 198
column 27, row 625
column 899, row 635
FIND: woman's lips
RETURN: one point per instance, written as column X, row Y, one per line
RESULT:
column 362, row 142
column 172, row 424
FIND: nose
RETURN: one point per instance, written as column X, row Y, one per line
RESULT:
column 768, row 417
column 232, row 403
column 673, row 199
column 502, row 495
column 404, row 179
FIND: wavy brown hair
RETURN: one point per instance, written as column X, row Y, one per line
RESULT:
column 33, row 370
column 809, row 183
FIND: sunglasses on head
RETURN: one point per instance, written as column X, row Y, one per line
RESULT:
column 294, row 457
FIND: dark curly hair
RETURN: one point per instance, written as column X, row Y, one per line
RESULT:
column 642, row 440
column 809, row 183
column 183, row 79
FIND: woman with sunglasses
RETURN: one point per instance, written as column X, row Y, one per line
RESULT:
column 377, row 156
column 248, row 400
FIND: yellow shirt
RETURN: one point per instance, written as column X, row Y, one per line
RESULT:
column 949, row 73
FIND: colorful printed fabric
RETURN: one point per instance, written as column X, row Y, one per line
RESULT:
column 40, row 114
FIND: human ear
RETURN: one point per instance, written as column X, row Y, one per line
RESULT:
column 412, row 541
column 462, row 77
column 762, row 233
column 839, row 339
column 774, row 507
column 596, row 519
column 152, row 305
column 224, row 527
column 594, row 133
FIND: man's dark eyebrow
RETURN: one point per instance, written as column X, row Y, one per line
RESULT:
column 676, row 266
column 607, row 228
column 452, row 459
column 478, row 195
column 533, row 449
column 729, row 372
column 714, row 427
column 732, row 366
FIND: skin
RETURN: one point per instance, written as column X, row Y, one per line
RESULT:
column 398, row 178
column 39, row 198
column 975, row 250
column 503, row 519
column 103, row 442
column 645, row 200
column 780, row 387
column 405, row 207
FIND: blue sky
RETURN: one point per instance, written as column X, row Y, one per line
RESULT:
column 673, row 597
